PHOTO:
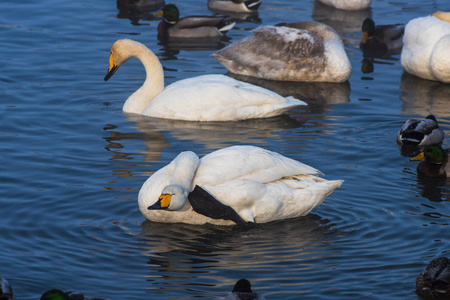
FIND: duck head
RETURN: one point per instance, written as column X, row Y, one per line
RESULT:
column 173, row 197
column 368, row 29
column 54, row 294
column 433, row 154
column 170, row 13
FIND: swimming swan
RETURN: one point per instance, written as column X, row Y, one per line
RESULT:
column 238, row 184
column 202, row 98
column 302, row 51
column 425, row 47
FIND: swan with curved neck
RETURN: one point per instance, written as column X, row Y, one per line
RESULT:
column 201, row 98
column 243, row 183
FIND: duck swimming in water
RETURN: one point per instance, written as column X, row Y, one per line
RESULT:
column 381, row 37
column 436, row 162
column 420, row 132
column 191, row 26
column 434, row 281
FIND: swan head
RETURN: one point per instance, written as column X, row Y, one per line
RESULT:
column 170, row 13
column 120, row 52
column 173, row 197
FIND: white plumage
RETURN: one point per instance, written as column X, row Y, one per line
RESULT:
column 202, row 98
column 425, row 51
column 260, row 185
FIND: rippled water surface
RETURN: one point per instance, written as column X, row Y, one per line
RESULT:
column 73, row 163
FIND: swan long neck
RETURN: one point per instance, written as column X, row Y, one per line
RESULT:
column 185, row 166
column 153, row 84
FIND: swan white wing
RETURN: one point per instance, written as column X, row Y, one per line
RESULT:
column 217, row 98
column 247, row 162
column 421, row 36
column 286, row 198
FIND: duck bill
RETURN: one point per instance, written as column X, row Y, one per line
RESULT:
column 159, row 14
column 418, row 157
column 112, row 68
column 162, row 203
column 364, row 38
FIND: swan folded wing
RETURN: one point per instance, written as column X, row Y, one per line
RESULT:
column 217, row 98
column 288, row 197
column 274, row 48
column 247, row 162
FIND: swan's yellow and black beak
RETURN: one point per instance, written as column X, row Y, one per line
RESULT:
column 112, row 68
column 418, row 157
column 162, row 203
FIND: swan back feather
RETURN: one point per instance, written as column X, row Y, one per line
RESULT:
column 303, row 51
column 425, row 48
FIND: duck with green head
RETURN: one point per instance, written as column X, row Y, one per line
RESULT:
column 381, row 37
column 436, row 162
column 190, row 26
column 55, row 294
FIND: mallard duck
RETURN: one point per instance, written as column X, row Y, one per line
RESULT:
column 425, row 47
column 6, row 292
column 234, row 5
column 434, row 281
column 235, row 185
column 202, row 98
column 303, row 51
column 242, row 290
column 436, row 162
column 381, row 37
column 55, row 294
column 190, row 26
column 347, row 4
column 420, row 132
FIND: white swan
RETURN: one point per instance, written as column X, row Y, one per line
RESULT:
column 347, row 4
column 302, row 51
column 202, row 98
column 425, row 51
column 245, row 183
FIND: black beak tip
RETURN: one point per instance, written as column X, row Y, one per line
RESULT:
column 110, row 73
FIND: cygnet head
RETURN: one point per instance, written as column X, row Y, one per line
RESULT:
column 173, row 197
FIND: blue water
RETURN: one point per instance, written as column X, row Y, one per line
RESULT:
column 73, row 163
